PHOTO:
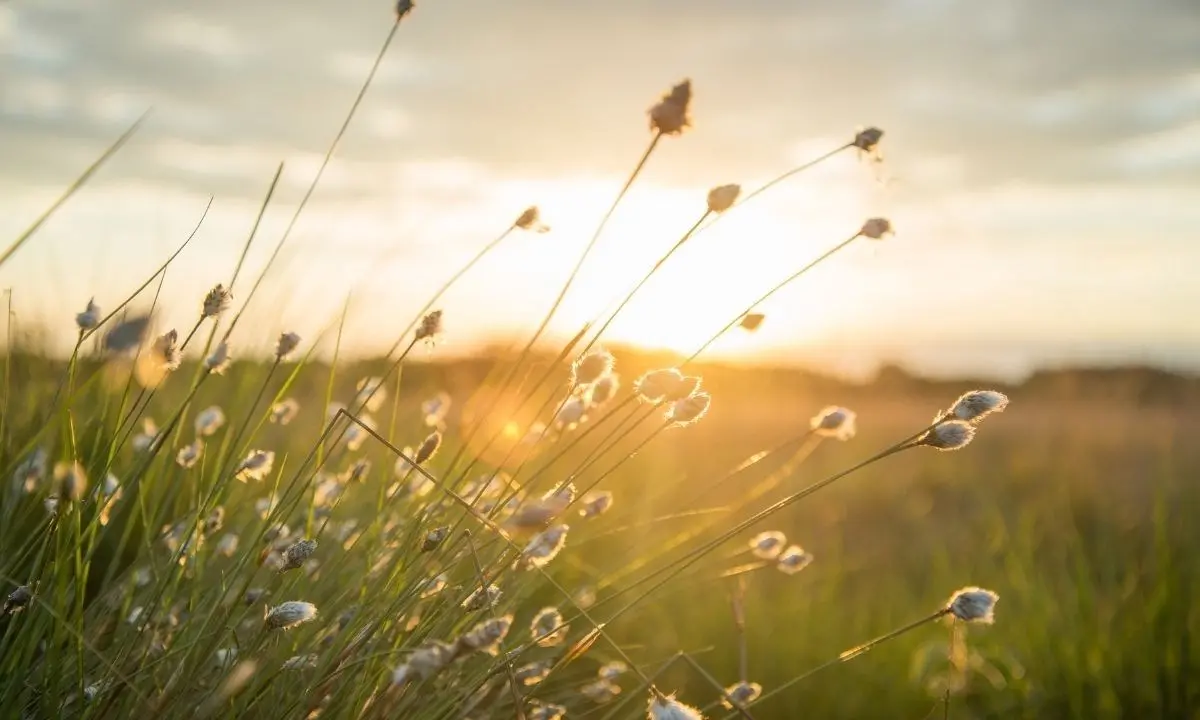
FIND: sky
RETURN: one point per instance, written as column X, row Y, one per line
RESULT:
column 1041, row 169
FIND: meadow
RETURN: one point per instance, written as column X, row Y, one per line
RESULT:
column 579, row 530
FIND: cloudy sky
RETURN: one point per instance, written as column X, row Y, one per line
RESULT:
column 1042, row 169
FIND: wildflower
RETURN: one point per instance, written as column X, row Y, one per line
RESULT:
column 948, row 435
column 147, row 438
column 70, row 480
column 482, row 597
column 435, row 409
column 430, row 327
column 867, row 141
column 297, row 553
column 793, row 560
column 216, row 302
column 835, row 422
column 485, row 636
column 219, row 359
column 300, row 662
column 227, row 545
column 741, row 694
column 666, row 707
column 256, row 466
column 600, row 691
column 190, row 454
column 591, row 367
column 531, row 219
column 290, row 614
column 768, row 545
column 876, row 228
column 370, row 393
column 596, row 503
column 284, row 411
column 428, row 447
column 286, row 344
column 689, row 409
column 978, row 404
column 571, row 413
column 31, row 471
column 89, row 318
column 209, row 421
column 434, row 538
column 548, row 628
column 17, row 600
column 722, row 197
column 534, row 672
column 752, row 321
column 544, row 547
column 670, row 115
column 972, row 604
column 545, row 711
column 612, row 670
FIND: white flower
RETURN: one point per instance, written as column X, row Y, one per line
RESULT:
column 190, row 454
column 768, row 545
column 90, row 317
column 949, row 435
column 666, row 707
column 290, row 614
column 972, row 604
column 209, row 421
column 835, row 422
column 218, row 360
column 978, row 404
column 722, row 197
column 286, row 344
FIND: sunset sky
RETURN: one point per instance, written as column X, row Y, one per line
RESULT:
column 1042, row 170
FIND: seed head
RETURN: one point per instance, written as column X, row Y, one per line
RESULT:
column 435, row 409
column 655, row 385
column 741, row 694
column 297, row 553
column 544, row 547
column 284, row 411
column 256, row 466
column 430, row 327
column 972, row 604
column 603, row 390
column 404, row 7
column 209, row 420
column 219, row 359
column 768, row 545
column 722, row 197
column 428, row 447
column 835, row 422
column 227, row 545
column 600, row 691
column 612, row 670
column 485, row 636
column 216, row 302
column 547, row 628
column 425, row 662
column 533, row 673
column 370, row 393
column 290, row 614
column 752, row 321
column 591, row 367
column 793, row 560
column 70, row 480
column 596, row 503
column 876, row 229
column 166, row 350
column 868, row 139
column 300, row 662
column 286, row 345
column 670, row 115
column 949, row 435
column 531, row 220
column 666, row 707
column 539, row 710
column 482, row 597
column 434, row 538
column 17, row 600
column 215, row 520
column 571, row 413
column 31, row 471
column 356, row 473
column 127, row 335
column 978, row 404
column 89, row 318
column 689, row 409
column 147, row 438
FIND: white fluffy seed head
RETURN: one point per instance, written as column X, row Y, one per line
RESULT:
column 430, row 327
column 70, row 480
column 596, row 503
column 978, row 404
column 670, row 116
column 793, row 560
column 429, row 446
column 689, row 409
column 867, row 139
column 284, row 411
column 90, row 317
column 767, row 545
column 877, row 229
column 835, row 422
column 256, row 466
column 722, row 197
column 741, row 694
column 286, row 345
column 572, row 412
column 219, row 359
column 487, row 635
column 544, row 547
column 296, row 553
column 216, row 301
column 290, row 614
column 604, row 389
column 547, row 627
column 972, row 604
column 592, row 366
column 666, row 707
column 612, row 670
column 209, row 420
column 949, row 435
column 531, row 219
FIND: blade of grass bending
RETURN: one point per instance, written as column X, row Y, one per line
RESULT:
column 72, row 188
